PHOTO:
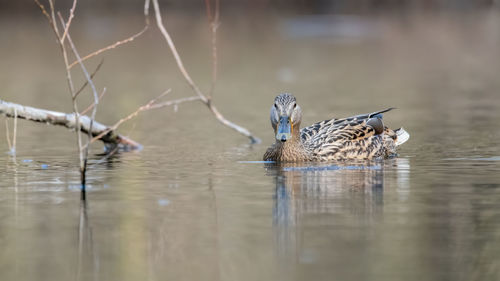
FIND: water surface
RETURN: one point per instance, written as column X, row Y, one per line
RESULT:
column 196, row 204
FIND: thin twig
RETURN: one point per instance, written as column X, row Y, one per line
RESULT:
column 214, row 25
column 93, row 104
column 91, row 76
column 146, row 12
column 178, row 59
column 13, row 150
column 7, row 134
column 94, row 108
column 53, row 24
column 209, row 11
column 68, row 23
column 216, row 19
column 12, row 145
column 110, row 139
column 130, row 116
column 174, row 102
column 84, row 70
column 44, row 11
column 112, row 46
column 53, row 17
column 190, row 81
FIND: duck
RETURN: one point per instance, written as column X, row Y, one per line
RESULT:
column 360, row 137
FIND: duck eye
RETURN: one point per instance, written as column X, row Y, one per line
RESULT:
column 275, row 105
column 294, row 105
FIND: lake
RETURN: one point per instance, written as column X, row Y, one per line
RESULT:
column 196, row 203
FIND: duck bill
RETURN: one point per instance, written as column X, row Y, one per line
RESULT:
column 284, row 131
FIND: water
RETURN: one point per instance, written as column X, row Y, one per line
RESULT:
column 197, row 203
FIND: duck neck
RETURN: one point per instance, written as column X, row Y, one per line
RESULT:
column 292, row 149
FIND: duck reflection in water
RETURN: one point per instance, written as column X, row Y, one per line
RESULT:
column 340, row 198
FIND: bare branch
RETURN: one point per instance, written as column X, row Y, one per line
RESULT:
column 216, row 19
column 112, row 46
column 146, row 12
column 13, row 149
column 53, row 19
column 53, row 23
column 44, row 11
column 130, row 116
column 214, row 60
column 68, row 23
column 84, row 70
column 178, row 59
column 7, row 134
column 209, row 10
column 190, row 81
column 239, row 129
column 91, row 76
column 214, row 23
column 82, row 123
column 174, row 102
column 93, row 104
column 12, row 145
column 96, row 100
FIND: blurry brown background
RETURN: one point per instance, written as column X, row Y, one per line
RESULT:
column 302, row 6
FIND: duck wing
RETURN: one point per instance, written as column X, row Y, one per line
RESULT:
column 352, row 135
column 350, row 128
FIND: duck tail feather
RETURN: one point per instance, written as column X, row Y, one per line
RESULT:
column 402, row 136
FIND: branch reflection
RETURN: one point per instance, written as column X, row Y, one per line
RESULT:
column 88, row 259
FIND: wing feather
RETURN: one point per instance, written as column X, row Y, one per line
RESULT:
column 327, row 127
column 345, row 136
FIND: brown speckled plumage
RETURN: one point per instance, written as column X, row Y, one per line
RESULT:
column 358, row 137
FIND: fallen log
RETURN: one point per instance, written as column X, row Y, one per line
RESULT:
column 111, row 139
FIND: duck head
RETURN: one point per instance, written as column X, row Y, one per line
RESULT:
column 285, row 118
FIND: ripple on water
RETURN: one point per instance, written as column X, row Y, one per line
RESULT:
column 479, row 158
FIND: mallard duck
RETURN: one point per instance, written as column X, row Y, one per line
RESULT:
column 358, row 137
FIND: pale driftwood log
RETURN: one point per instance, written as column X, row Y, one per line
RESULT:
column 111, row 139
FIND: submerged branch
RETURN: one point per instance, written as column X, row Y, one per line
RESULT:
column 111, row 139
